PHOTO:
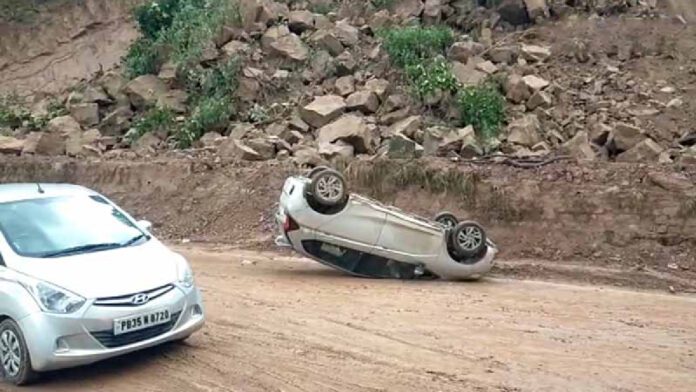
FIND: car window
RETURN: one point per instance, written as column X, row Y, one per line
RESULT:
column 45, row 226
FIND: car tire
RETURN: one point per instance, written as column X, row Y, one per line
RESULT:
column 328, row 188
column 316, row 170
column 447, row 219
column 468, row 239
column 15, row 362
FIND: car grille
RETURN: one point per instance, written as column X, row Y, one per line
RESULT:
column 109, row 340
column 126, row 300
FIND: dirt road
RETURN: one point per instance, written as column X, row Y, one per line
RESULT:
column 278, row 323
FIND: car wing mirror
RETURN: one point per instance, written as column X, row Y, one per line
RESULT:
column 145, row 225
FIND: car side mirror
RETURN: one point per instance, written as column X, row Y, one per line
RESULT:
column 145, row 225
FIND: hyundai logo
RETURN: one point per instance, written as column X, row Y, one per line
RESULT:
column 140, row 299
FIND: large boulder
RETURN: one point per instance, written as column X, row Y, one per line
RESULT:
column 525, row 131
column 645, row 151
column 432, row 11
column 345, row 64
column 408, row 126
column 540, row 99
column 345, row 85
column 405, row 9
column 117, row 122
column 463, row 51
column 113, row 83
column 339, row 149
column 503, row 54
column 625, row 136
column 322, row 110
column 289, row 46
column 579, row 147
column 326, row 39
column 402, row 147
column 49, row 143
column 537, row 9
column 264, row 147
column 379, row 87
column 308, row 156
column 144, row 91
column 63, row 125
column 440, row 141
column 236, row 48
column 516, row 90
column 10, row 145
column 300, row 21
column 351, row 129
column 87, row 114
column 535, row 53
column 364, row 101
column 467, row 74
column 535, row 83
column 513, row 12
column 348, row 34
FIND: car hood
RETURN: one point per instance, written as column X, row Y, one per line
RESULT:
column 108, row 273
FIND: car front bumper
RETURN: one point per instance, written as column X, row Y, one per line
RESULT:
column 63, row 341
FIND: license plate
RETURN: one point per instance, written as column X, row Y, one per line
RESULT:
column 141, row 321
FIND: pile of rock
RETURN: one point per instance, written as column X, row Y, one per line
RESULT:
column 342, row 100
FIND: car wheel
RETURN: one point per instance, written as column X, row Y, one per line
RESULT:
column 468, row 239
column 328, row 188
column 316, row 170
column 447, row 219
column 15, row 364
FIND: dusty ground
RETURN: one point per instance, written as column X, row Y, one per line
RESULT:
column 278, row 323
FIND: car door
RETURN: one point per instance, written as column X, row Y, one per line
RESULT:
column 358, row 226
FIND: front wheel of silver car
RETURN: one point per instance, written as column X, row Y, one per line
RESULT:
column 15, row 363
column 328, row 188
column 468, row 239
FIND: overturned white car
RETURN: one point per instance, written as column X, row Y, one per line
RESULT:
column 320, row 219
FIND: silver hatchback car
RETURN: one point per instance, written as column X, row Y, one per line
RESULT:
column 82, row 281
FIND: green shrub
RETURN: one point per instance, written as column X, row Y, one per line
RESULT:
column 209, row 114
column 154, row 120
column 411, row 45
column 14, row 115
column 428, row 77
column 155, row 17
column 482, row 107
column 194, row 26
column 219, row 81
column 142, row 58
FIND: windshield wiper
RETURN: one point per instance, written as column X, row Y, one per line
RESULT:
column 83, row 249
column 135, row 239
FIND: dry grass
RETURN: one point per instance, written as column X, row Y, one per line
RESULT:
column 383, row 177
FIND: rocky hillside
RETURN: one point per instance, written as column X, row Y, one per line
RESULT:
column 322, row 81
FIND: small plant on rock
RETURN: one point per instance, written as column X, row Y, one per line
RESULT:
column 209, row 114
column 408, row 46
column 482, row 107
column 430, row 77
column 155, row 120
column 142, row 58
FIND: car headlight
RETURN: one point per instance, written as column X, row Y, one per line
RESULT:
column 186, row 276
column 53, row 299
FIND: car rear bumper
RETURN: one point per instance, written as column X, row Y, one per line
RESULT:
column 57, row 341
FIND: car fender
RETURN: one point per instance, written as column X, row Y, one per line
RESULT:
column 15, row 301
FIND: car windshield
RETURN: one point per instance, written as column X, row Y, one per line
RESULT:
column 65, row 225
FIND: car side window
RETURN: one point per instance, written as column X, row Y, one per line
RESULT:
column 2, row 261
